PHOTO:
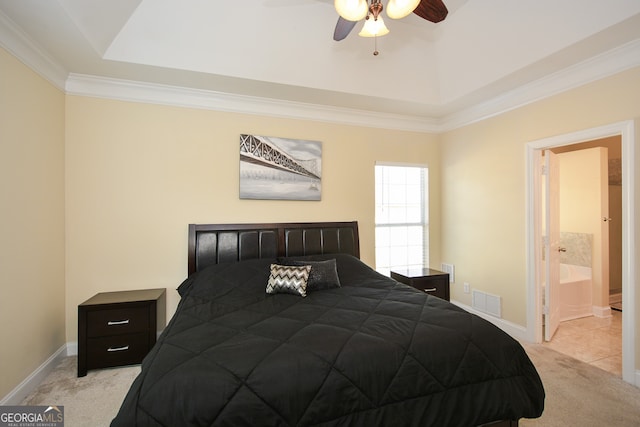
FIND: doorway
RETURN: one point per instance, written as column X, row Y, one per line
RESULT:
column 590, row 263
column 625, row 131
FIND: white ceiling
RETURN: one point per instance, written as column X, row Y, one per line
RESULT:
column 282, row 50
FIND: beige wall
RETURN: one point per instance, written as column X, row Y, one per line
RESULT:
column 483, row 185
column 32, row 221
column 137, row 174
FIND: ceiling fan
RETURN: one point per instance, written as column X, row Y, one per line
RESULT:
column 352, row 11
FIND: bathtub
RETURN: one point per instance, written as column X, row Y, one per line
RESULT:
column 576, row 298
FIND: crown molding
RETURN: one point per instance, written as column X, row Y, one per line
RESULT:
column 598, row 67
column 18, row 43
column 604, row 65
column 15, row 41
column 136, row 91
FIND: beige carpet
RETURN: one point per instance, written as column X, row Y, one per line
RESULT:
column 577, row 394
column 92, row 400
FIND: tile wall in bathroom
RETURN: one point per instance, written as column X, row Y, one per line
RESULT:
column 578, row 246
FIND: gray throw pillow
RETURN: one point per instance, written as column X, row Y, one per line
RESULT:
column 324, row 274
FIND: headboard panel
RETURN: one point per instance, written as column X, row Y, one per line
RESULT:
column 217, row 243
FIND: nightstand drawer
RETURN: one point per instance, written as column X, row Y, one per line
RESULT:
column 435, row 287
column 428, row 280
column 117, row 350
column 117, row 321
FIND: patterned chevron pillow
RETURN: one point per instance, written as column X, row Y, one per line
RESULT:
column 288, row 279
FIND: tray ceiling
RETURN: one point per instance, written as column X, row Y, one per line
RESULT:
column 283, row 49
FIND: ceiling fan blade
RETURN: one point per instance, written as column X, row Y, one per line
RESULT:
column 432, row 10
column 343, row 28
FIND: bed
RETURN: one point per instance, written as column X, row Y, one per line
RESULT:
column 353, row 348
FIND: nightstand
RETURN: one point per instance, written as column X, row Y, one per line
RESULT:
column 119, row 328
column 433, row 282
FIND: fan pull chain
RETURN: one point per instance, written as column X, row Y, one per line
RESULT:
column 375, row 46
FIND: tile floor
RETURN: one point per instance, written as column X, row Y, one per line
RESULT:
column 593, row 340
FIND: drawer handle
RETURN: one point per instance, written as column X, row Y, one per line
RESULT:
column 430, row 290
column 117, row 322
column 125, row 348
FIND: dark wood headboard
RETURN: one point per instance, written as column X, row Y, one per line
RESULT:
column 216, row 243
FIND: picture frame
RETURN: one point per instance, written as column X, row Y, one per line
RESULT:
column 275, row 168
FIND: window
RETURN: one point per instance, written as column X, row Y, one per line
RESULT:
column 402, row 223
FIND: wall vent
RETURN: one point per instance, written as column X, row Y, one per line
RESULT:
column 448, row 268
column 487, row 303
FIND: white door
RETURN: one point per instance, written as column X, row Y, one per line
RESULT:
column 603, row 300
column 551, row 245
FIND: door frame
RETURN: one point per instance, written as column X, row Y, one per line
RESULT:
column 626, row 131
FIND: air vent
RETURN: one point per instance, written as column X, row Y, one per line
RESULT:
column 448, row 268
column 487, row 303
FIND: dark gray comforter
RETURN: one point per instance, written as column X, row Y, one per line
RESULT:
column 372, row 352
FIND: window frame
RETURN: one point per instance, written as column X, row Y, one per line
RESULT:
column 388, row 264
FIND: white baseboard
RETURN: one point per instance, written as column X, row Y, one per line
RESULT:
column 17, row 395
column 72, row 348
column 516, row 331
column 602, row 311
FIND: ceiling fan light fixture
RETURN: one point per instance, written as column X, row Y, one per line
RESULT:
column 352, row 10
column 374, row 28
column 397, row 9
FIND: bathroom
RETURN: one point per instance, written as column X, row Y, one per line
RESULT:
column 590, row 257
column 576, row 277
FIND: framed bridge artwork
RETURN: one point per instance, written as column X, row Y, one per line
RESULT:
column 273, row 168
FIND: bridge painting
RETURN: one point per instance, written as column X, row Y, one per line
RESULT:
column 274, row 168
